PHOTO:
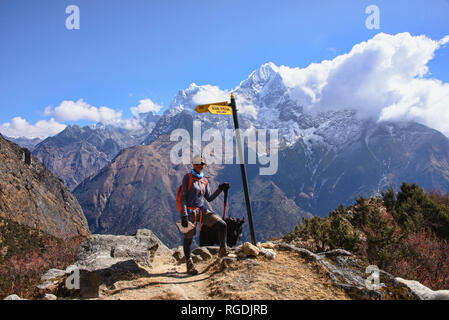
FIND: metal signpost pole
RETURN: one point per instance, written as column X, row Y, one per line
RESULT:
column 243, row 169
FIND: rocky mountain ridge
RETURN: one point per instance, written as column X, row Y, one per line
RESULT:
column 76, row 153
column 31, row 195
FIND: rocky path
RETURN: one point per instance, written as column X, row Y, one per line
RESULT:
column 141, row 267
column 288, row 276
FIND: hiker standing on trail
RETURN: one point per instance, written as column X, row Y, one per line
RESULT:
column 195, row 188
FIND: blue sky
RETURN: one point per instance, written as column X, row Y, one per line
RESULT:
column 126, row 51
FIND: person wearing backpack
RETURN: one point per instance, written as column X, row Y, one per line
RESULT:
column 190, row 200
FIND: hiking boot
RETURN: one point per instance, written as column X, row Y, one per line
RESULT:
column 223, row 252
column 191, row 268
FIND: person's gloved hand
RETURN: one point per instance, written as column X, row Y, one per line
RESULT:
column 184, row 221
column 224, row 186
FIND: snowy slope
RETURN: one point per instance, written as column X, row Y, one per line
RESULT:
column 265, row 101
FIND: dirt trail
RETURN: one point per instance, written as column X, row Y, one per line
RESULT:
column 287, row 277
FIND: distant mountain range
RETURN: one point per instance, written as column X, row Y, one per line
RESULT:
column 76, row 153
column 25, row 142
column 124, row 179
column 325, row 159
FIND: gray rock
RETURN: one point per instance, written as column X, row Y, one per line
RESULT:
column 13, row 297
column 162, row 248
column 423, row 292
column 203, row 253
column 269, row 253
column 52, row 279
column 178, row 254
column 49, row 296
column 48, row 285
column 102, row 251
column 112, row 258
column 53, row 274
column 349, row 273
column 196, row 258
column 104, row 259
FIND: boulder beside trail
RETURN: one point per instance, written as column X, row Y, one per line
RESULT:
column 13, row 297
column 354, row 276
column 104, row 259
column 203, row 253
column 250, row 249
column 103, row 251
column 423, row 292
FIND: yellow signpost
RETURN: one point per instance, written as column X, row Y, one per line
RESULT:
column 206, row 107
column 214, row 109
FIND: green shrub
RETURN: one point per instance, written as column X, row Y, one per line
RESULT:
column 404, row 233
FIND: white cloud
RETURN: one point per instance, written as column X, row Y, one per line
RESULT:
column 74, row 111
column 208, row 93
column 381, row 78
column 145, row 105
column 129, row 124
column 80, row 110
column 19, row 127
column 247, row 107
column 444, row 41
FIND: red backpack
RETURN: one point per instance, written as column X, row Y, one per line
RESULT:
column 191, row 178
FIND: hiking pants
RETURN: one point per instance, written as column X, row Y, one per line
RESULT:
column 211, row 220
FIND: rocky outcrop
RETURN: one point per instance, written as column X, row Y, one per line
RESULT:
column 354, row 276
column 423, row 292
column 103, row 251
column 31, row 195
column 104, row 259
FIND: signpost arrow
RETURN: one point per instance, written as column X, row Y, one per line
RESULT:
column 231, row 109
column 214, row 109
column 205, row 107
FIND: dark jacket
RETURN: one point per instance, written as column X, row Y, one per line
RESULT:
column 194, row 198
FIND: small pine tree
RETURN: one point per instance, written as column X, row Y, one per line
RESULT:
column 382, row 237
column 389, row 198
column 414, row 210
column 342, row 233
column 360, row 212
column 315, row 228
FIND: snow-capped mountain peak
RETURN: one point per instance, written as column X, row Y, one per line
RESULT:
column 258, row 78
column 264, row 102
